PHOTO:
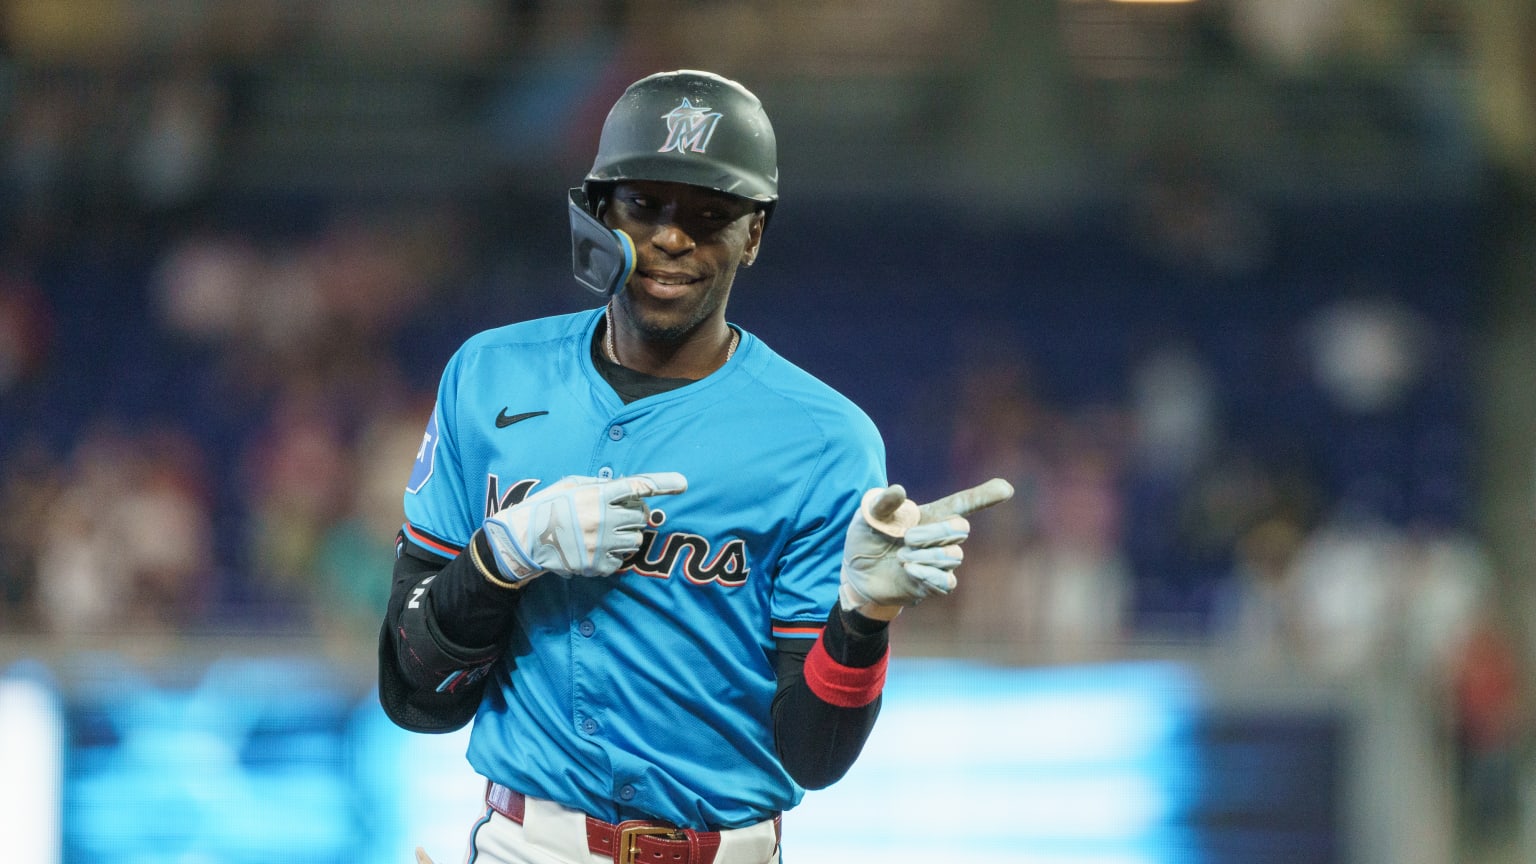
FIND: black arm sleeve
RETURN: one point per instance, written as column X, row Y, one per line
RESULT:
column 817, row 741
column 445, row 628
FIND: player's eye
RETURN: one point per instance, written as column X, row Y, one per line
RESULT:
column 721, row 213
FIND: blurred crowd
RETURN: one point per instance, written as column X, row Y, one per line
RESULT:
column 203, row 423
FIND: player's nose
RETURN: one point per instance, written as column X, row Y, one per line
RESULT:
column 671, row 238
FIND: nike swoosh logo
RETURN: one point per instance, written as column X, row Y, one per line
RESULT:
column 503, row 420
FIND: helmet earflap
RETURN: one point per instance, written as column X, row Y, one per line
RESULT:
column 601, row 257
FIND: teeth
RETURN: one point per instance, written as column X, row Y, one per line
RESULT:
column 671, row 280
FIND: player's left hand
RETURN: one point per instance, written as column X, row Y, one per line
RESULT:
column 422, row 857
column 898, row 553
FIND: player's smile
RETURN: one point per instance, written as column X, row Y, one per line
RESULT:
column 664, row 284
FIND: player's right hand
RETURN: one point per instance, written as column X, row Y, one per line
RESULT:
column 579, row 526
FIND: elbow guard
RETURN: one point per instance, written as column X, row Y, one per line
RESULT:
column 428, row 658
column 426, row 682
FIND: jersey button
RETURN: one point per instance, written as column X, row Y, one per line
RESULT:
column 615, row 432
column 586, row 627
column 605, row 473
column 626, row 791
column 589, row 726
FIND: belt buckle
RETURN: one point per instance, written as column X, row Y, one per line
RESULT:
column 629, row 846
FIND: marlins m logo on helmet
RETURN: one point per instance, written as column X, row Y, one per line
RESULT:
column 689, row 128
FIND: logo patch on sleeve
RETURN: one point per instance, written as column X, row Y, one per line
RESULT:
column 426, row 454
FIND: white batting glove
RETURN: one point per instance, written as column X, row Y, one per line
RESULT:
column 897, row 554
column 579, row 526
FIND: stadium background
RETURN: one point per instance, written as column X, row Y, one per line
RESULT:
column 1241, row 294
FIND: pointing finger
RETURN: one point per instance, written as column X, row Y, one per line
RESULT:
column 658, row 483
column 968, row 501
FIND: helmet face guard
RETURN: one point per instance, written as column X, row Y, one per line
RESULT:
column 675, row 127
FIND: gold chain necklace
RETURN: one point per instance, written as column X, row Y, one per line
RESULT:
column 613, row 355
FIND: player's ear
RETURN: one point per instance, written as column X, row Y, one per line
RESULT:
column 754, row 238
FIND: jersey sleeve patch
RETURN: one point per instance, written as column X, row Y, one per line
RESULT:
column 426, row 455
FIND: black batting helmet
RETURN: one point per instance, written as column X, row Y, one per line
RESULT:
column 689, row 127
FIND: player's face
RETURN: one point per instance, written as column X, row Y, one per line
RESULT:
column 688, row 243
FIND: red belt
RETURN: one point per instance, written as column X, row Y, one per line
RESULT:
column 631, row 842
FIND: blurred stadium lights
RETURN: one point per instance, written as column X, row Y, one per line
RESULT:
column 1089, row 765
column 253, row 759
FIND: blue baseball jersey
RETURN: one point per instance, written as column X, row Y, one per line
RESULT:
column 647, row 694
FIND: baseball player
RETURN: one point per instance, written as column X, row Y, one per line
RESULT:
column 651, row 559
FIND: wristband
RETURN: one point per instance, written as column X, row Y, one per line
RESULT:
column 843, row 686
column 479, row 562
